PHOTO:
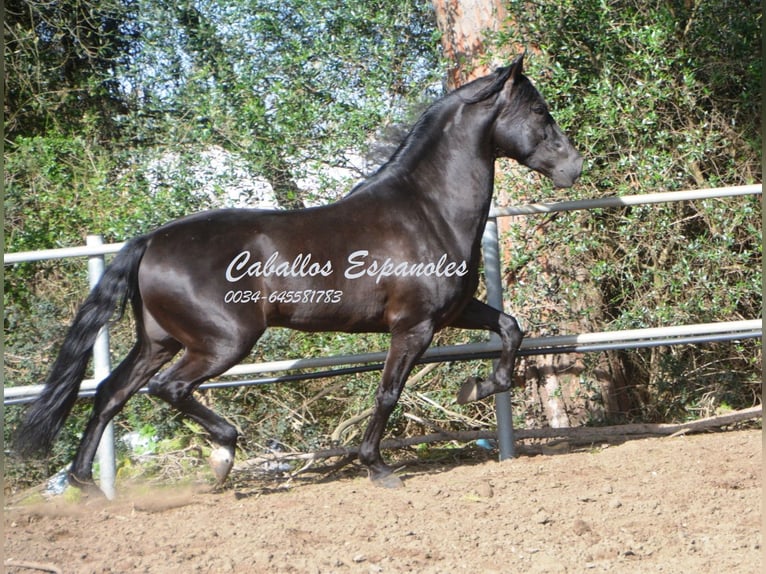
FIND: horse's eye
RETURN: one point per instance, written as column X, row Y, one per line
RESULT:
column 539, row 109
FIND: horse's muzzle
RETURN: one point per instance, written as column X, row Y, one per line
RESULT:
column 567, row 173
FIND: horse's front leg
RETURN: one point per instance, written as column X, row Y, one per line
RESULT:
column 406, row 348
column 478, row 315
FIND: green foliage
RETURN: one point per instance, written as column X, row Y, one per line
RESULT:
column 659, row 96
column 61, row 62
column 59, row 188
column 284, row 84
column 656, row 97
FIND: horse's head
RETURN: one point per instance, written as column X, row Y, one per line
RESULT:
column 525, row 130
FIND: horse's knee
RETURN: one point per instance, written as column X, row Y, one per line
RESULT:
column 155, row 386
column 511, row 331
column 386, row 400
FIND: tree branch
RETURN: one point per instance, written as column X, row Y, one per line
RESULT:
column 576, row 435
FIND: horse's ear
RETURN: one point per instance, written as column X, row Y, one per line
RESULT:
column 513, row 73
column 517, row 66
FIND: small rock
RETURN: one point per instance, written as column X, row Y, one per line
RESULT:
column 359, row 558
column 484, row 490
column 580, row 527
column 615, row 503
column 531, row 550
column 542, row 517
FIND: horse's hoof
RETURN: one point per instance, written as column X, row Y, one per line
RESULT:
column 387, row 481
column 84, row 484
column 221, row 460
column 469, row 391
column 82, row 490
column 385, row 476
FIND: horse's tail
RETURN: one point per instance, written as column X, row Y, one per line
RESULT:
column 46, row 416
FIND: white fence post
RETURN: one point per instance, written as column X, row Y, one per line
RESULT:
column 101, row 369
column 493, row 278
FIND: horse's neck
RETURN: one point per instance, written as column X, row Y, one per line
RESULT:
column 452, row 174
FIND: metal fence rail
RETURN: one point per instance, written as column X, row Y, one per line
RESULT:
column 584, row 343
column 530, row 209
column 627, row 200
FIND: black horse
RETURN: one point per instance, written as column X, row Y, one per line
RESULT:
column 399, row 254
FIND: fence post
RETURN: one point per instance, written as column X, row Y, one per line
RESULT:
column 101, row 369
column 493, row 278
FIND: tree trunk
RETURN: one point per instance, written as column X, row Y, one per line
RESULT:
column 561, row 391
column 570, row 389
column 464, row 26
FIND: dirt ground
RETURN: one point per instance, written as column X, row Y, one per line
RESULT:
column 682, row 504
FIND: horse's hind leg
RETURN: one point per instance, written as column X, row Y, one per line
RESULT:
column 478, row 315
column 113, row 392
column 176, row 385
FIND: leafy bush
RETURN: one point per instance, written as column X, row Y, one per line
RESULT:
column 659, row 97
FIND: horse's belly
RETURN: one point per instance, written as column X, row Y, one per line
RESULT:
column 352, row 306
column 326, row 309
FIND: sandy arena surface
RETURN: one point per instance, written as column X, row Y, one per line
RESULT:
column 679, row 505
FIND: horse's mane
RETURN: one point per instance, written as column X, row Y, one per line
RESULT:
column 501, row 76
column 480, row 89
